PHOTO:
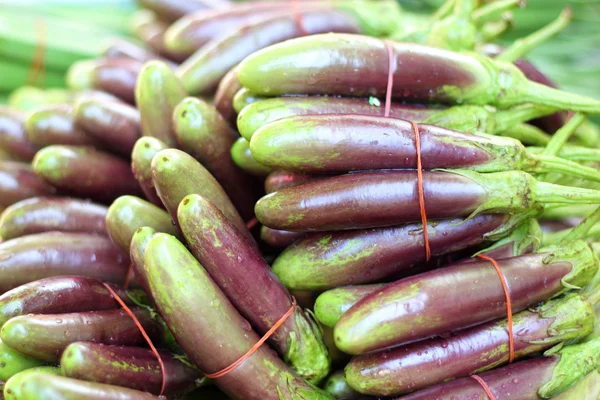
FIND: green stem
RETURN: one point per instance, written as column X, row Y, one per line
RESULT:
column 493, row 30
column 523, row 46
column 494, row 10
column 573, row 153
column 559, row 211
column 528, row 134
column 463, row 9
column 562, row 135
column 506, row 119
column 444, row 11
column 551, row 193
column 541, row 164
column 533, row 92
column 581, row 230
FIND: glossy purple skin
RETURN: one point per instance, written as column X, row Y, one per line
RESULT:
column 44, row 214
column 115, row 125
column 170, row 10
column 43, row 255
column 340, row 143
column 45, row 336
column 354, row 65
column 12, row 134
column 75, row 389
column 277, row 180
column 18, row 182
column 214, row 336
column 421, row 364
column 333, row 259
column 425, row 305
column 197, row 29
column 369, row 200
column 223, row 101
column 550, row 123
column 204, row 134
column 237, row 266
column 87, row 173
column 125, row 49
column 202, row 72
column 127, row 366
column 55, row 124
column 117, row 76
column 520, row 381
column 58, row 294
column 278, row 239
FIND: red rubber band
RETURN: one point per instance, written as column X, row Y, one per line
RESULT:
column 128, row 276
column 256, row 346
column 298, row 18
column 390, row 80
column 421, row 191
column 144, row 334
column 38, row 65
column 511, row 339
column 485, row 387
column 388, row 106
column 252, row 223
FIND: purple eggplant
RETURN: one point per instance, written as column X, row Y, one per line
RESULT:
column 18, row 182
column 116, row 76
column 85, row 172
column 115, row 125
column 59, row 294
column 237, row 267
column 126, row 366
column 45, row 214
column 46, row 336
column 13, row 138
column 32, row 257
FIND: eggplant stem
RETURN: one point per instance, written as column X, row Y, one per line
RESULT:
column 563, row 134
column 493, row 30
column 523, row 46
column 444, row 11
column 494, row 10
column 527, row 134
column 550, row 193
column 581, row 230
column 506, row 119
column 533, row 92
column 544, row 164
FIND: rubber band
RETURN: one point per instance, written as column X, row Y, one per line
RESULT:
column 256, row 346
column 390, row 80
column 144, row 334
column 421, row 191
column 386, row 114
column 298, row 18
column 38, row 65
column 128, row 276
column 252, row 223
column 511, row 339
column 485, row 387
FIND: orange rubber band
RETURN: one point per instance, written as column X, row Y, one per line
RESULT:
column 390, row 80
column 252, row 223
column 256, row 346
column 421, row 191
column 485, row 387
column 511, row 339
column 388, row 106
column 128, row 276
column 298, row 18
column 38, row 65
column 144, row 334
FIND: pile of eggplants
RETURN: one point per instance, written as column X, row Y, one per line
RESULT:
column 264, row 169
